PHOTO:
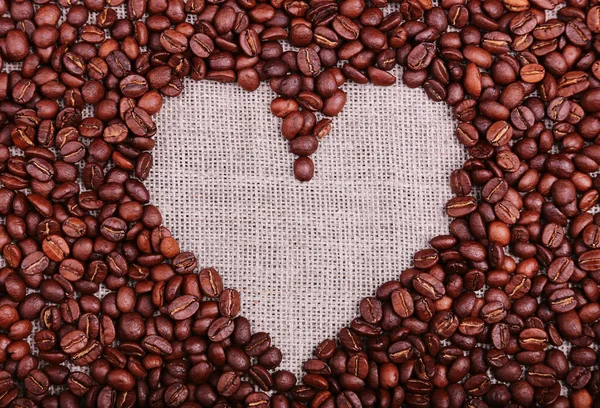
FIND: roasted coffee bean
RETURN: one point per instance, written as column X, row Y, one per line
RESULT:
column 428, row 286
column 461, row 206
column 562, row 300
column 533, row 339
column 304, row 168
column 157, row 345
column 477, row 385
column 228, row 384
column 540, row 375
column 308, row 61
column 402, row 303
column 183, row 307
column 210, row 283
column 113, row 229
column 36, row 382
column 421, row 56
column 35, row 263
column 74, row 342
column 535, row 204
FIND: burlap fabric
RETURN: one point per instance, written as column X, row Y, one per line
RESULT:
column 302, row 255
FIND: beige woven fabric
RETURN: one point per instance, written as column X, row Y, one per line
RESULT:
column 302, row 255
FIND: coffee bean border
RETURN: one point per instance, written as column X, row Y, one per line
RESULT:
column 479, row 320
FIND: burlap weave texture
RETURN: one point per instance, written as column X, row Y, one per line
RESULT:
column 302, row 255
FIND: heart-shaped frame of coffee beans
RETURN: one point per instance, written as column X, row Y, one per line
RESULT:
column 471, row 324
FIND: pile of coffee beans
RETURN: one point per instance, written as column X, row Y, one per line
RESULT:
column 78, row 220
column 502, row 311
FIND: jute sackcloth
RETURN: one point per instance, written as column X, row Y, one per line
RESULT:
column 303, row 254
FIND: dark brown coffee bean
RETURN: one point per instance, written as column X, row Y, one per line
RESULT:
column 304, row 145
column 477, row 385
column 308, row 61
column 71, row 269
column 229, row 303
column 304, row 168
column 402, row 303
column 421, row 56
column 133, row 86
column 494, row 190
column 258, row 344
column 120, row 380
column 35, row 263
column 562, row 300
column 345, row 28
column 157, row 345
column 493, row 312
column 428, row 286
column 17, row 45
column 139, row 122
column 228, row 384
column 589, row 260
column 74, row 342
column 210, row 283
column 461, row 206
column 533, row 339
column 114, row 229
column 37, row 382
column 220, row 329
column 173, row 41
column 183, row 307
column 540, row 375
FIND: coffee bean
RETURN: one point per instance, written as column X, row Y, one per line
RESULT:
column 533, row 339
column 258, row 344
column 139, row 122
column 113, row 229
column 133, row 86
column 175, row 394
column 588, row 260
column 55, row 248
column 461, row 206
column 37, row 382
column 428, row 286
column 532, row 73
column 540, row 375
column 210, row 283
column 421, row 56
column 183, row 307
column 529, row 197
column 345, row 28
column 304, row 168
column 220, row 329
column 304, row 145
column 499, row 134
column 477, row 385
column 493, row 312
column 173, row 41
column 157, row 345
column 228, row 384
column 562, row 300
column 494, row 190
column 229, row 303
column 74, row 342
column 35, row 263
column 308, row 62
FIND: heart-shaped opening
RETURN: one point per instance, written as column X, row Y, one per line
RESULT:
column 302, row 254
